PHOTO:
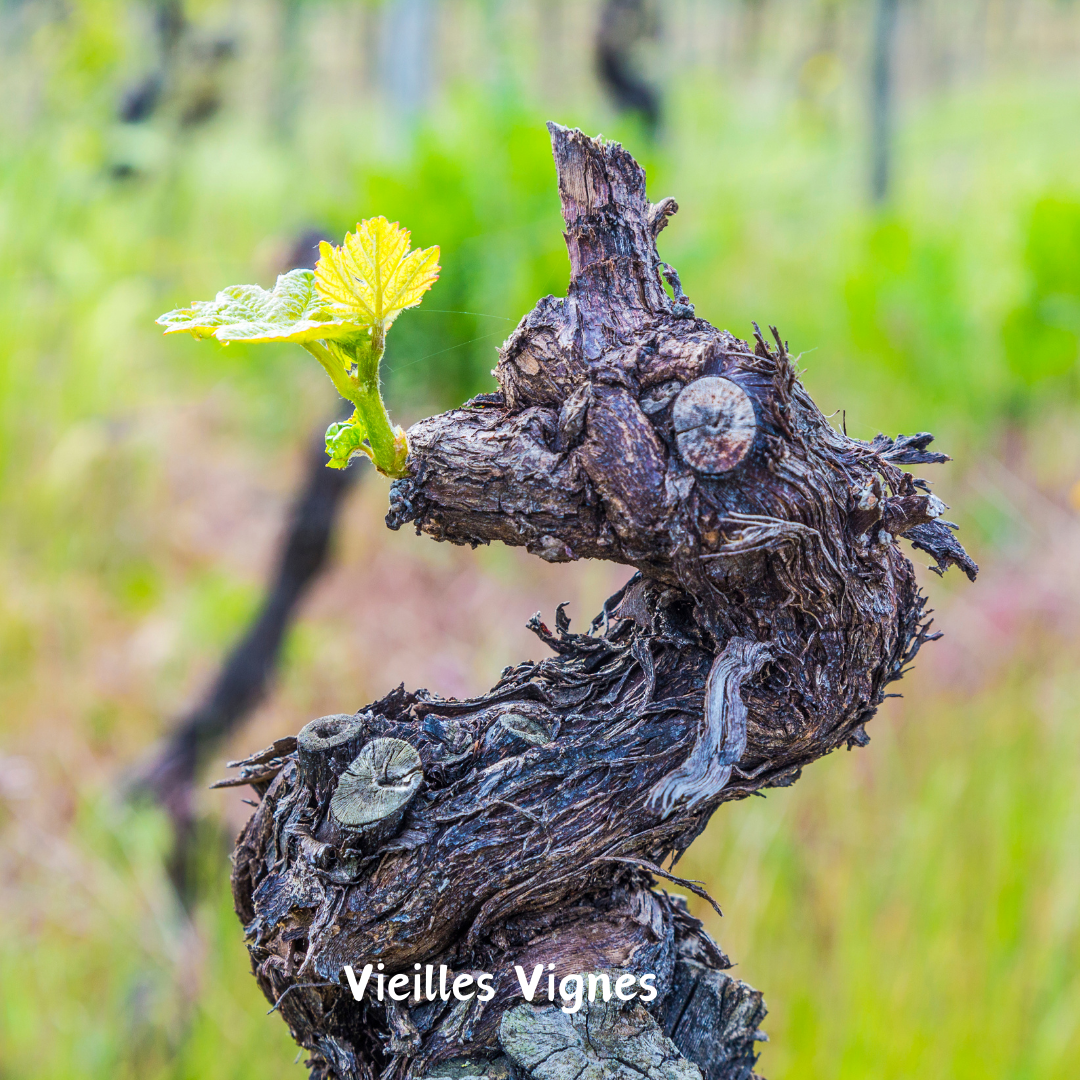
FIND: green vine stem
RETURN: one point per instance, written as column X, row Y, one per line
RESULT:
column 353, row 367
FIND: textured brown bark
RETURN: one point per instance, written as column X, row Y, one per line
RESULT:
column 772, row 608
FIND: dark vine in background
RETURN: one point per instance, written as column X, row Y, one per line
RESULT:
column 623, row 25
column 882, row 99
column 185, row 78
column 141, row 97
column 170, row 772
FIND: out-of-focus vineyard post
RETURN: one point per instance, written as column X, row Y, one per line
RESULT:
column 896, row 185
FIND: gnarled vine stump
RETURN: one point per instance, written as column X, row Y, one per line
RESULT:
column 771, row 608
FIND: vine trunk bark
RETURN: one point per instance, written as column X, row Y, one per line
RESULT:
column 771, row 608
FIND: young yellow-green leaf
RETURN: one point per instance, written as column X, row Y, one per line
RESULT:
column 293, row 311
column 373, row 276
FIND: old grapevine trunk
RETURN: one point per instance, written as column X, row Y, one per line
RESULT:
column 771, row 608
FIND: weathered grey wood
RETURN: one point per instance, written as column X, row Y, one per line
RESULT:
column 772, row 608
column 603, row 1041
column 721, row 742
column 493, row 1068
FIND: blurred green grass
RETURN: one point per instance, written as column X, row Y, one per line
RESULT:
column 913, row 910
column 113, row 979
column 908, row 910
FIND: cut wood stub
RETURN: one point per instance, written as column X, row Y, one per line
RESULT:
column 324, row 749
column 375, row 790
column 714, row 424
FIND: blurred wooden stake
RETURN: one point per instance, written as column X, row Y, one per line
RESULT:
column 882, row 100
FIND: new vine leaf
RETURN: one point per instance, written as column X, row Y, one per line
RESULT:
column 340, row 314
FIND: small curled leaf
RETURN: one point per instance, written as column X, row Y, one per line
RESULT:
column 343, row 439
column 373, row 276
column 292, row 311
